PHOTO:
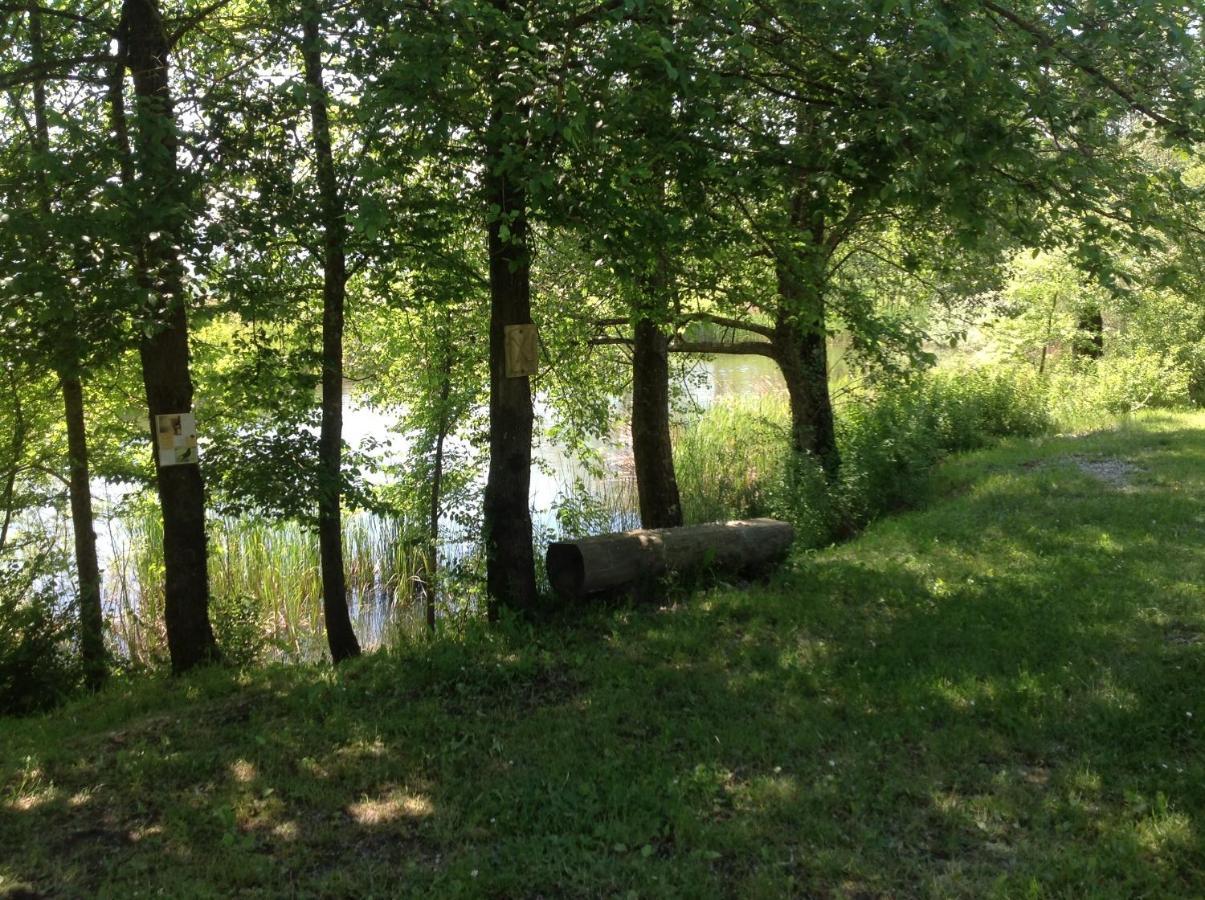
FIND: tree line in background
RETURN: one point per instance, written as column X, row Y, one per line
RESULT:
column 273, row 199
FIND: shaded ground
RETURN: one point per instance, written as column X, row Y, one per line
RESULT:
column 999, row 695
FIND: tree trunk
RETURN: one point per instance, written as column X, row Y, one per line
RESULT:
column 163, row 348
column 652, row 447
column 652, row 444
column 801, row 351
column 800, row 337
column 432, row 556
column 17, row 450
column 92, row 641
column 339, row 632
column 510, row 563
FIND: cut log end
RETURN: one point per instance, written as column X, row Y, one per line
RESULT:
column 566, row 570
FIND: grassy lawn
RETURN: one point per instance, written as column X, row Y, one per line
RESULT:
column 999, row 695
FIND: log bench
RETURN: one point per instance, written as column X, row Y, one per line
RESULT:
column 633, row 560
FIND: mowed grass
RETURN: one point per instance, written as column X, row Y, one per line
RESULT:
column 998, row 695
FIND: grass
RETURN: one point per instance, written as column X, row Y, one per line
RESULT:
column 265, row 581
column 997, row 695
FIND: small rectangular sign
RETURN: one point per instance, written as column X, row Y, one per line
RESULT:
column 176, row 439
column 522, row 350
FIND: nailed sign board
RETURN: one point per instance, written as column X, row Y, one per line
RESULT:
column 522, row 350
column 176, row 439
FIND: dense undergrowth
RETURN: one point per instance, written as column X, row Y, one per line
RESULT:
column 734, row 461
column 996, row 695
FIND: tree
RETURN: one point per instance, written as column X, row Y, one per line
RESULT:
column 340, row 635
column 160, row 208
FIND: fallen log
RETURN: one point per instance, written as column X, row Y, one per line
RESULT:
column 634, row 559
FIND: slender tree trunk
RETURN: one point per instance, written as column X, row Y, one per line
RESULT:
column 432, row 561
column 801, row 351
column 17, row 449
column 92, row 641
column 652, row 446
column 163, row 348
column 510, row 561
column 652, row 443
column 1046, row 339
column 339, row 632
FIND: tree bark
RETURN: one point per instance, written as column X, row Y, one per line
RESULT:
column 800, row 348
column 510, row 561
column 652, row 446
column 163, row 348
column 340, row 635
column 432, row 557
column 615, row 562
column 92, row 640
column 17, row 450
column 652, row 443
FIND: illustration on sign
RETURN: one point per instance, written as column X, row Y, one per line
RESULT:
column 522, row 350
column 177, row 438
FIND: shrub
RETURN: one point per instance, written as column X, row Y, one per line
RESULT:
column 891, row 437
column 39, row 667
column 734, row 460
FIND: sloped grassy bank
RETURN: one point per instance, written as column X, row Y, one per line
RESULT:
column 996, row 695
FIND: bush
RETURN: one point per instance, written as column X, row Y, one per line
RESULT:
column 893, row 436
column 39, row 666
column 1119, row 384
column 735, row 461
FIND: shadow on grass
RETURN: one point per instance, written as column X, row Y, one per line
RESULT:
column 992, row 696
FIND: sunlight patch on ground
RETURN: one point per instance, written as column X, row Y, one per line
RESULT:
column 243, row 771
column 390, row 807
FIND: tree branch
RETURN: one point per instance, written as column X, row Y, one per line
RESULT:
column 1046, row 39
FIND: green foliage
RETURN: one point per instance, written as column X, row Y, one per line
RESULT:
column 733, row 460
column 39, row 667
column 892, row 439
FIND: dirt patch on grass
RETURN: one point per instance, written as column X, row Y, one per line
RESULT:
column 1112, row 470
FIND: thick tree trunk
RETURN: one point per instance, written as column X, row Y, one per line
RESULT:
column 92, row 641
column 340, row 635
column 163, row 348
column 652, row 447
column 509, row 558
column 510, row 562
column 801, row 351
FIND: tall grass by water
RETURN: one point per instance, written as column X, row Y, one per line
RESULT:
column 265, row 585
